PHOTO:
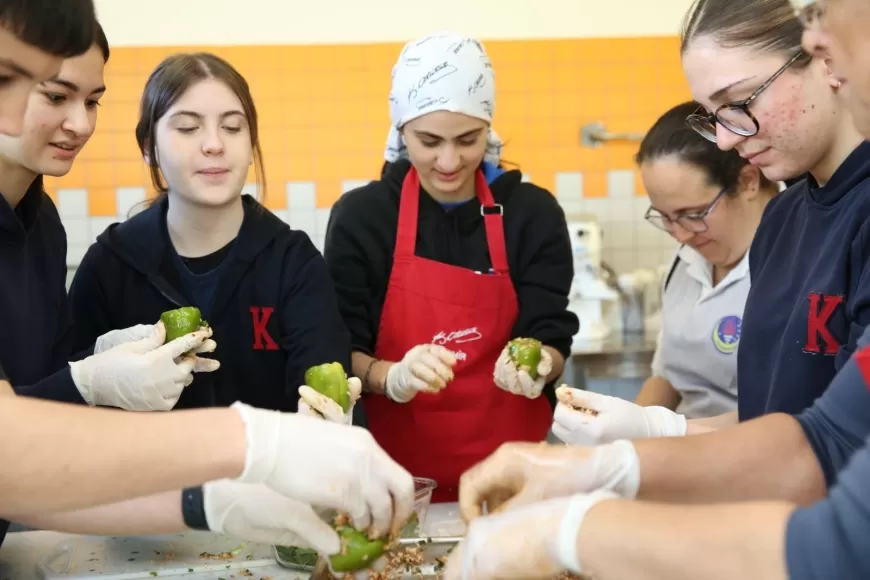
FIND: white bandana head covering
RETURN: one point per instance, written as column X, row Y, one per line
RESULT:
column 442, row 72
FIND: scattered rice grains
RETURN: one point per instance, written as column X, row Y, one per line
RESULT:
column 403, row 563
column 564, row 395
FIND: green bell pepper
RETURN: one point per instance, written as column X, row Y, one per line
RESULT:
column 526, row 355
column 357, row 551
column 182, row 321
column 330, row 380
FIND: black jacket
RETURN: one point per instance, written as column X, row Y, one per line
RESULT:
column 35, row 323
column 273, row 274
column 361, row 237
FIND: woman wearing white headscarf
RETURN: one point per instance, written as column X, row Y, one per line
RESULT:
column 443, row 261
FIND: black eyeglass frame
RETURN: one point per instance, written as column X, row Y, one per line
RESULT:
column 660, row 221
column 705, row 124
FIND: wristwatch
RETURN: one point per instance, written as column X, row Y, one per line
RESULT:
column 193, row 509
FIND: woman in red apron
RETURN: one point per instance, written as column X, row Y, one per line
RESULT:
column 443, row 261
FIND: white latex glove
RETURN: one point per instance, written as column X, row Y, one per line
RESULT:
column 534, row 541
column 314, row 404
column 120, row 336
column 519, row 382
column 520, row 474
column 328, row 465
column 144, row 375
column 426, row 367
column 584, row 418
column 257, row 513
column 114, row 338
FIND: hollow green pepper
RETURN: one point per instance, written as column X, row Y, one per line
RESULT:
column 182, row 321
column 357, row 551
column 330, row 380
column 526, row 355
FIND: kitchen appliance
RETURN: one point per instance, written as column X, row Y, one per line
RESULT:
column 591, row 298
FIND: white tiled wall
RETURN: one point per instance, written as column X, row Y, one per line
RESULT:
column 629, row 242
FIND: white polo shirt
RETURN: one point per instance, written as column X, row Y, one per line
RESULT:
column 700, row 333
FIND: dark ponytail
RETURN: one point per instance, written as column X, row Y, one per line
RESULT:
column 670, row 135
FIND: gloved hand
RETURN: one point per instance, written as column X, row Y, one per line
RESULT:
column 534, row 541
column 256, row 513
column 328, row 465
column 144, row 375
column 584, row 418
column 315, row 404
column 426, row 367
column 523, row 473
column 519, row 382
column 114, row 338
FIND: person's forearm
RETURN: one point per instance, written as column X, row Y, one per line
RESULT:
column 59, row 457
column 558, row 363
column 144, row 516
column 658, row 392
column 6, row 389
column 708, row 424
column 371, row 371
column 764, row 459
column 623, row 539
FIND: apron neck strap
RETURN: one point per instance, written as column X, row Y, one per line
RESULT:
column 493, row 220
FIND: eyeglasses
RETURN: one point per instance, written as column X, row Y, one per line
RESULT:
column 691, row 222
column 734, row 116
column 809, row 12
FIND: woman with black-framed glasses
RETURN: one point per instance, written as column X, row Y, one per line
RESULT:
column 711, row 201
column 783, row 111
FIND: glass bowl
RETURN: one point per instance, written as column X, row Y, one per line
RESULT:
column 305, row 558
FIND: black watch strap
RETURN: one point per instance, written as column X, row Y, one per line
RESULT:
column 193, row 509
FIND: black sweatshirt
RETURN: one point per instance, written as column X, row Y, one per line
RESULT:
column 273, row 310
column 35, row 323
column 361, row 237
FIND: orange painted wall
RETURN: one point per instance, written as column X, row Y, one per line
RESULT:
column 324, row 113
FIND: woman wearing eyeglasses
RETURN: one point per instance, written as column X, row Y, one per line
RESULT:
column 710, row 201
column 783, row 112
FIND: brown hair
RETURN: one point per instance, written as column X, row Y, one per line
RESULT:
column 169, row 81
column 59, row 28
column 670, row 135
column 764, row 25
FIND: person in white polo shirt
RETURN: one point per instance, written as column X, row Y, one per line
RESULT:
column 711, row 202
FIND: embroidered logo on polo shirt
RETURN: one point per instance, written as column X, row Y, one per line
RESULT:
column 726, row 335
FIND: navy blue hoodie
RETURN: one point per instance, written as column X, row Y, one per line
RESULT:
column 810, row 296
column 35, row 324
column 274, row 312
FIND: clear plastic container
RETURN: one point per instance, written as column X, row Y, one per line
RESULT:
column 305, row 559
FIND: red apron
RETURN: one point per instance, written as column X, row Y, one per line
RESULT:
column 472, row 314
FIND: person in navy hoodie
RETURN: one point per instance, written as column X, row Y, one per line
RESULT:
column 809, row 262
column 443, row 261
column 36, row 342
column 263, row 288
